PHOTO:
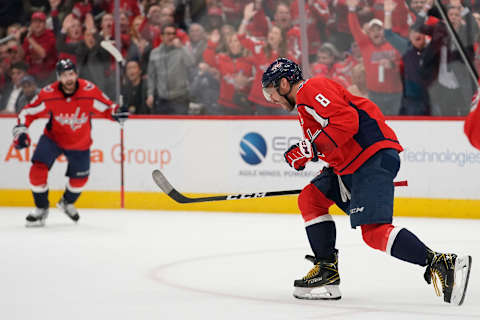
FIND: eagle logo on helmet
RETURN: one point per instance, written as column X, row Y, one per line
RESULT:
column 276, row 66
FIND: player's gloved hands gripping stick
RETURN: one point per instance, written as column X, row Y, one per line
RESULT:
column 299, row 154
column 21, row 139
column 120, row 115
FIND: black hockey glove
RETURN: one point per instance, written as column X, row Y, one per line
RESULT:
column 119, row 114
column 21, row 139
column 120, row 117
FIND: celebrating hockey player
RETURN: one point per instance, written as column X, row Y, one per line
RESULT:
column 69, row 103
column 349, row 133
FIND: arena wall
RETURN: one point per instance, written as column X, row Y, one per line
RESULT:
column 206, row 156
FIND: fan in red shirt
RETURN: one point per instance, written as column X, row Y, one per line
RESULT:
column 400, row 15
column 235, row 71
column 40, row 49
column 317, row 14
column 261, row 54
column 69, row 103
column 381, row 61
column 233, row 10
column 258, row 25
column 157, row 16
column 349, row 133
column 129, row 7
column 71, row 32
column 328, row 66
column 283, row 19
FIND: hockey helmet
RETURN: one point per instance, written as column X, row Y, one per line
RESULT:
column 64, row 65
column 280, row 68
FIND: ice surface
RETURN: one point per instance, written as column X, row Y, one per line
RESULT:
column 125, row 264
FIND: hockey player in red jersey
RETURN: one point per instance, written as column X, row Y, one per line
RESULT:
column 472, row 122
column 69, row 103
column 349, row 133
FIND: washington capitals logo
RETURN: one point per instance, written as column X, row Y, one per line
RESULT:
column 75, row 121
column 276, row 66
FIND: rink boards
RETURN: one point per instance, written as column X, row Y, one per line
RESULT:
column 205, row 156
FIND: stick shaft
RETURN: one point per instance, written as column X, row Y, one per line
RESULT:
column 122, row 169
column 470, row 66
column 163, row 183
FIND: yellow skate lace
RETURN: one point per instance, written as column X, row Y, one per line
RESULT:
column 436, row 275
column 312, row 272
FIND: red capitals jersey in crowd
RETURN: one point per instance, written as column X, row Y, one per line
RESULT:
column 347, row 130
column 317, row 14
column 39, row 66
column 260, row 60
column 400, row 15
column 472, row 123
column 70, row 117
column 379, row 78
column 229, row 67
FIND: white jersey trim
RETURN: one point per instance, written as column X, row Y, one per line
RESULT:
column 22, row 116
column 322, row 218
column 323, row 122
column 100, row 106
column 391, row 239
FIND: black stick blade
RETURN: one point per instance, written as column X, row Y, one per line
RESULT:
column 166, row 187
column 161, row 181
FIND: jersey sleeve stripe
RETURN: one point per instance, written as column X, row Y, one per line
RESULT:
column 30, row 112
column 322, row 121
column 99, row 106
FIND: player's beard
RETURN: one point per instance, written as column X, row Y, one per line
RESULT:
column 69, row 86
column 291, row 102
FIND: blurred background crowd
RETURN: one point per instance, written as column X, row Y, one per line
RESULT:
column 208, row 56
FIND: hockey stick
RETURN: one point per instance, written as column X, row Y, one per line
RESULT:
column 115, row 53
column 470, row 67
column 163, row 183
column 122, row 168
column 109, row 46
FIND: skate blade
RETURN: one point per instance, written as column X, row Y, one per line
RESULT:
column 331, row 292
column 462, row 274
column 74, row 217
column 35, row 224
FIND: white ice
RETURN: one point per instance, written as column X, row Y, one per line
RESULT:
column 126, row 264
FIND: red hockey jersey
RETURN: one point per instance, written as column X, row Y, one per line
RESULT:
column 70, row 117
column 472, row 123
column 347, row 130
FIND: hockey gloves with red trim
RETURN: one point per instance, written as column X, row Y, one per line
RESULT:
column 21, row 139
column 299, row 154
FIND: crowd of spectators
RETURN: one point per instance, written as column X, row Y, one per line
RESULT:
column 207, row 56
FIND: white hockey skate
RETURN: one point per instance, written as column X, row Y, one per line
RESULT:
column 69, row 209
column 37, row 218
column 320, row 283
column 452, row 272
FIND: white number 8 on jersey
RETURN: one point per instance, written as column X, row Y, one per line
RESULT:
column 323, row 101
